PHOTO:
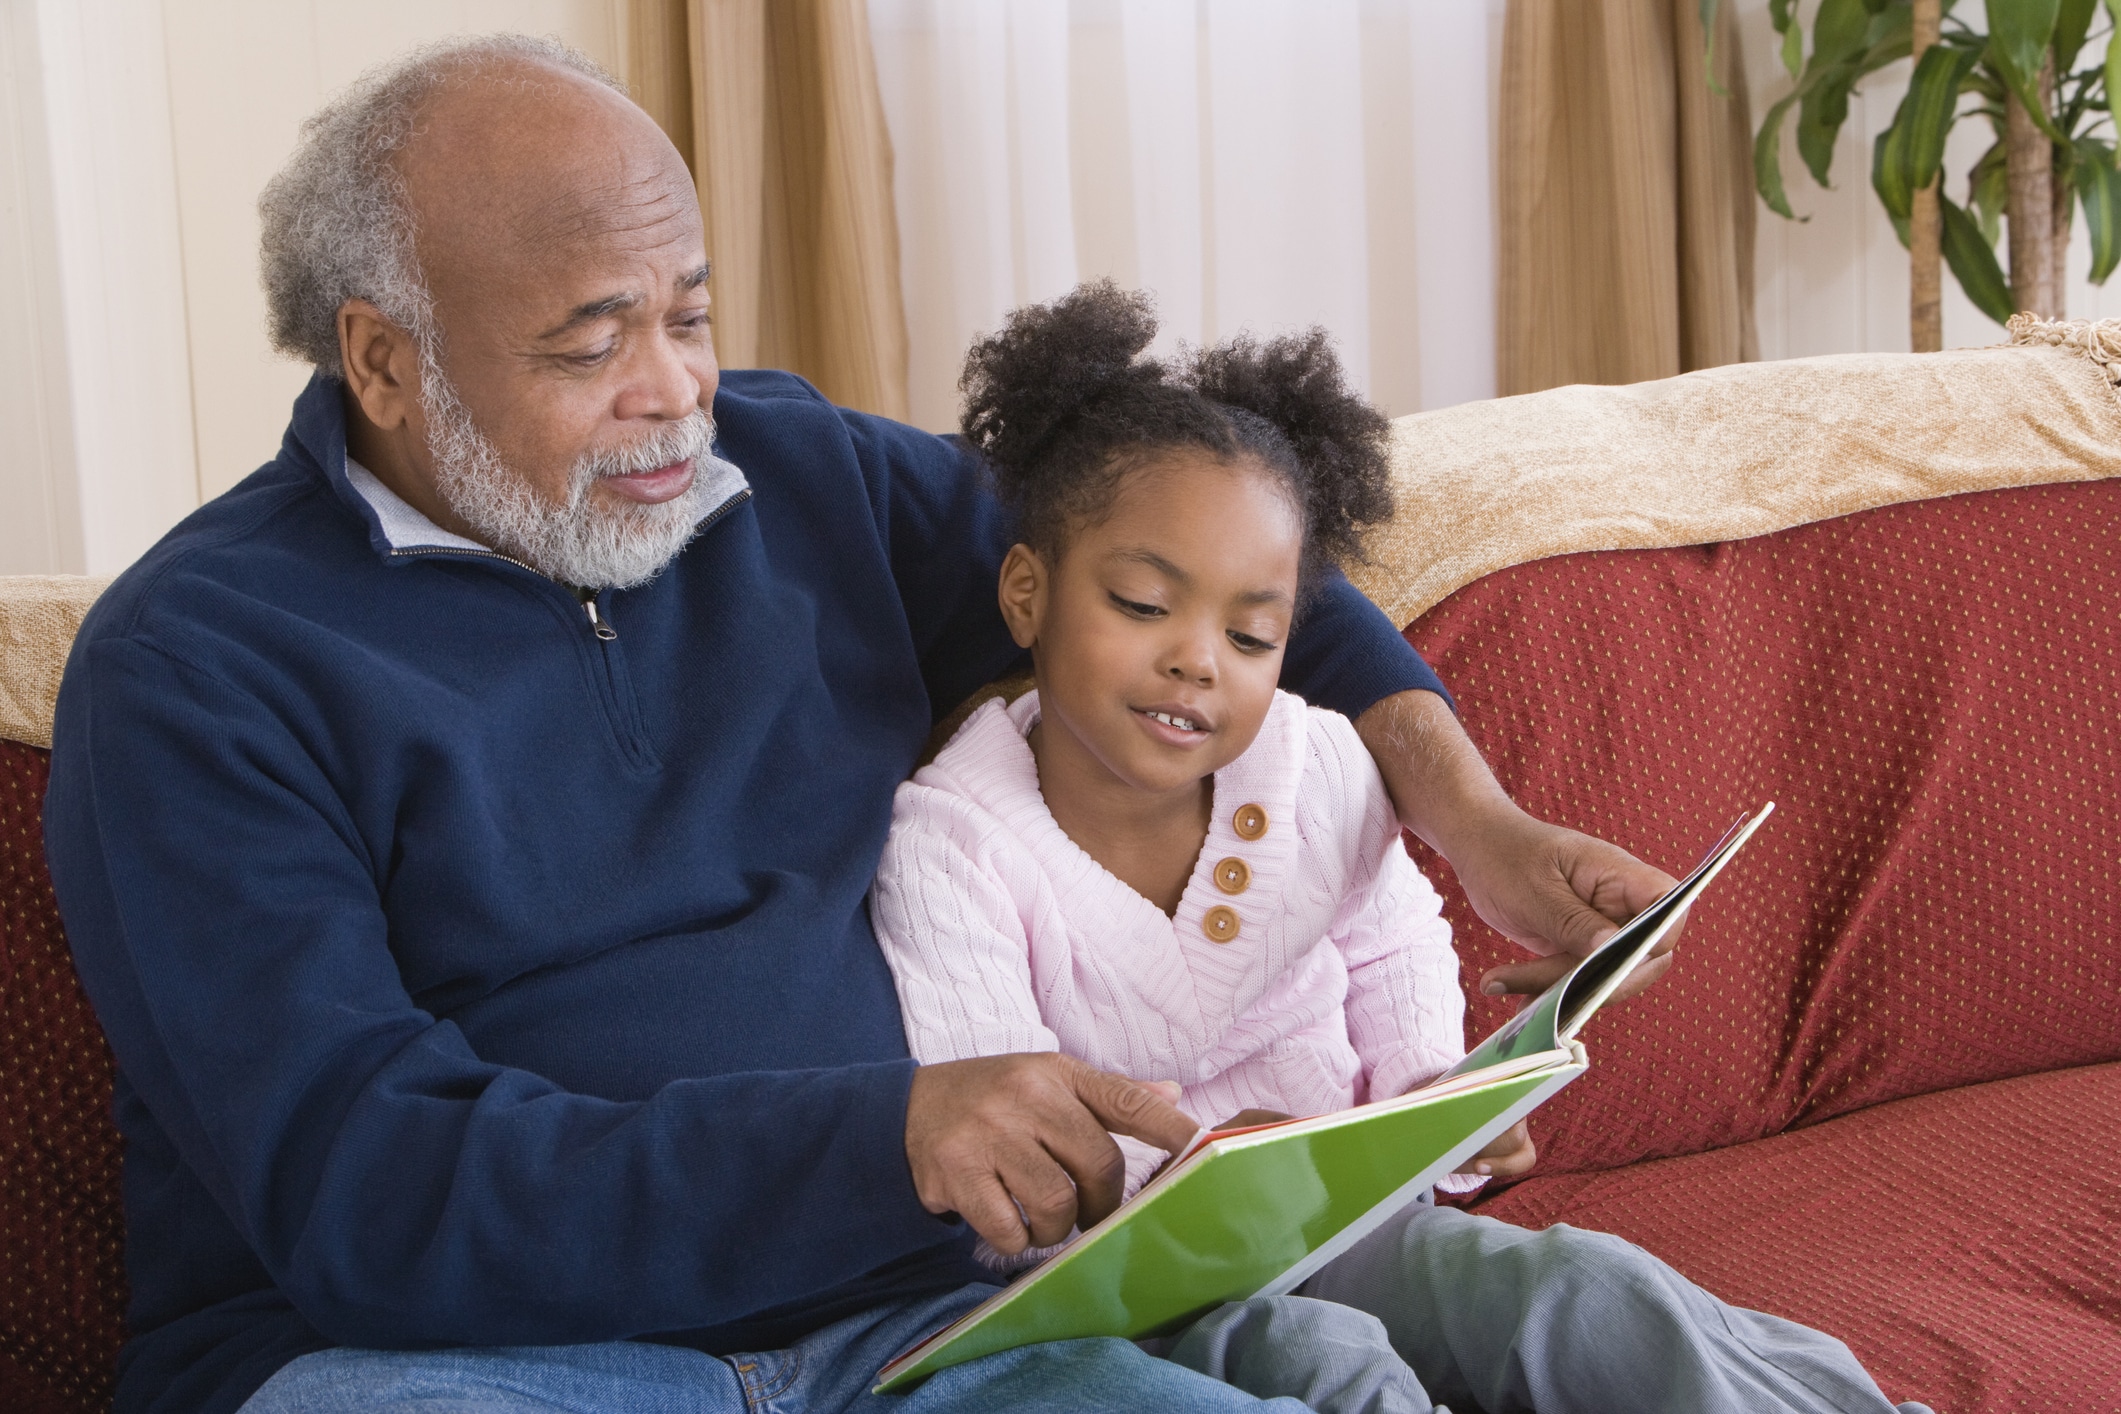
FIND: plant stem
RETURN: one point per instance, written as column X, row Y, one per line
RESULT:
column 2063, row 208
column 1926, row 224
column 2030, row 163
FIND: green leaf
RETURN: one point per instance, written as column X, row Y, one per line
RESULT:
column 2019, row 32
column 1782, row 14
column 1767, row 159
column 1820, row 115
column 2072, row 23
column 2099, row 188
column 1929, row 110
column 1973, row 263
column 2113, row 56
column 1839, row 32
column 1988, row 190
column 1889, row 178
column 1708, row 9
column 1890, row 35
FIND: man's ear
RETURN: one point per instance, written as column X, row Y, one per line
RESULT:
column 382, row 364
column 1025, row 582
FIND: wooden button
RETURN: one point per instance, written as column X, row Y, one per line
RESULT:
column 1219, row 923
column 1233, row 876
column 1250, row 822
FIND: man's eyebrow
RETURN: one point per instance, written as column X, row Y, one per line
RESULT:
column 591, row 312
column 604, row 308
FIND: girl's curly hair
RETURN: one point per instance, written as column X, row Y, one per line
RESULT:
column 1064, row 404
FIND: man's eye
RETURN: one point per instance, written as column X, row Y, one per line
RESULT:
column 590, row 358
column 1246, row 643
column 1140, row 611
column 693, row 323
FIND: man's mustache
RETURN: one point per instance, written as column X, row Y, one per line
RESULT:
column 687, row 439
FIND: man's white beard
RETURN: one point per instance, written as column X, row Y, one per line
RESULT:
column 584, row 543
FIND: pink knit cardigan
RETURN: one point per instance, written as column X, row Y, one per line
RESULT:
column 1339, row 984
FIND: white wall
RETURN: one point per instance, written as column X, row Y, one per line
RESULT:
column 135, row 135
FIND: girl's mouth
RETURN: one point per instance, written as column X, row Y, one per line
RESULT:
column 1176, row 728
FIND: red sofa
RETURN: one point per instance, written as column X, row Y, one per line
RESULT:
column 1880, row 1093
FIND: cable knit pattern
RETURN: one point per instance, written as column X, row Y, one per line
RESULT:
column 1004, row 935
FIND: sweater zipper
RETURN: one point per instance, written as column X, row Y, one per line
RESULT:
column 604, row 632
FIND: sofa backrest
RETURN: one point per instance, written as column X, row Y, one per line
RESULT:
column 1927, row 691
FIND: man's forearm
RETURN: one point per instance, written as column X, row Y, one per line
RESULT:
column 1440, row 785
column 1551, row 889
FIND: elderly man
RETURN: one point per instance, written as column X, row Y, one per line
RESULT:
column 463, row 826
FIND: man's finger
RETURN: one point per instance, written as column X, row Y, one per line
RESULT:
column 1527, row 978
column 1128, row 1107
column 1051, row 1196
column 984, row 1203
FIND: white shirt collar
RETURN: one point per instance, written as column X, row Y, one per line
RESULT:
column 403, row 526
column 406, row 528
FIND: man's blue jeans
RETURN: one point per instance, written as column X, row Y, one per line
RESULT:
column 1436, row 1304
column 825, row 1373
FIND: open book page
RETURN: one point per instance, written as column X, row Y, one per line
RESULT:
column 1558, row 1013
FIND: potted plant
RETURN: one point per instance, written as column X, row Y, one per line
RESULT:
column 2052, row 150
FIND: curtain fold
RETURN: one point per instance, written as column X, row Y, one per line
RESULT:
column 783, row 124
column 1626, row 199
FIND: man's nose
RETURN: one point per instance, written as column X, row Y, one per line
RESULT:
column 664, row 384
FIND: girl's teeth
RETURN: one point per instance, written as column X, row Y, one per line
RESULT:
column 1180, row 722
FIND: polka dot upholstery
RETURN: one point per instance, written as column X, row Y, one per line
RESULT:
column 1961, row 1242
column 1928, row 691
column 62, row 1276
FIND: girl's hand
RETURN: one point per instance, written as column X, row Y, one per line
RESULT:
column 1512, row 1153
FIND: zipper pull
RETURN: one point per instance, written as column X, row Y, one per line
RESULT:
column 605, row 632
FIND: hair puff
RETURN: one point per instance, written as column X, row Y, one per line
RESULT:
column 1064, row 402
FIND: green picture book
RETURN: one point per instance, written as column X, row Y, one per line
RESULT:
column 1254, row 1212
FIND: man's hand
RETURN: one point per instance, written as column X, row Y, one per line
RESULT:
column 1562, row 893
column 1558, row 892
column 1021, row 1146
column 1510, row 1154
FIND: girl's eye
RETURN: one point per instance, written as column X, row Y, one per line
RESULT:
column 1140, row 611
column 1246, row 643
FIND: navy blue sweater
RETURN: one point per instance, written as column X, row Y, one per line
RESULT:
column 476, row 981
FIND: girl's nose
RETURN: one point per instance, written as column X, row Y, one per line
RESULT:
column 1192, row 665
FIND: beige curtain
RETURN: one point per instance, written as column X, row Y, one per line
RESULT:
column 775, row 105
column 1626, row 195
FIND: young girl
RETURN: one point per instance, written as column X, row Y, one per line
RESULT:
column 1162, row 865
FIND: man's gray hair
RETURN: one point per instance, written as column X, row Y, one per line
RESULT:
column 336, row 224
